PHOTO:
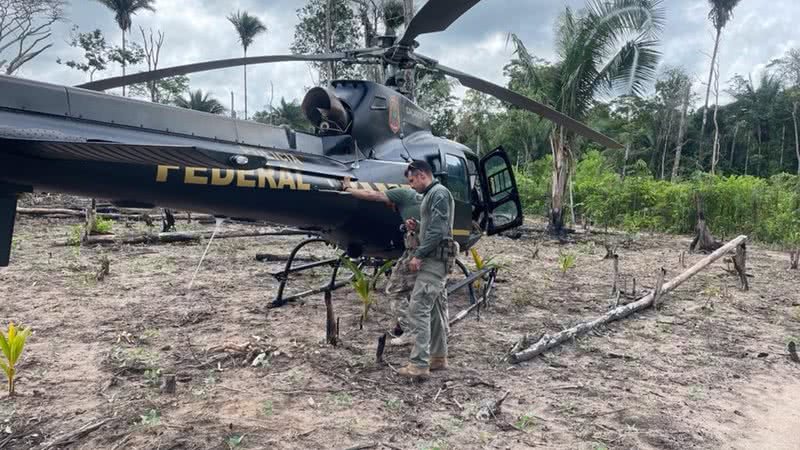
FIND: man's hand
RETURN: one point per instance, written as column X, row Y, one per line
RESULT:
column 411, row 224
column 415, row 264
column 345, row 183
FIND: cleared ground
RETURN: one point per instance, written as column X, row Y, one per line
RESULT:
column 709, row 370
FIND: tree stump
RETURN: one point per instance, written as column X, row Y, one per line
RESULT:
column 740, row 264
column 331, row 324
column 703, row 240
column 167, row 221
column 793, row 259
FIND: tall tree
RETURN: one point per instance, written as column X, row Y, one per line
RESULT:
column 200, row 101
column 608, row 47
column 789, row 71
column 247, row 27
column 721, row 12
column 25, row 30
column 311, row 35
column 123, row 11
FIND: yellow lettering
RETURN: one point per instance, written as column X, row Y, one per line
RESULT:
column 366, row 186
column 266, row 176
column 241, row 179
column 286, row 179
column 217, row 179
column 193, row 178
column 302, row 186
column 163, row 172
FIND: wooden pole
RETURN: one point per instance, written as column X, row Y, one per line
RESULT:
column 547, row 342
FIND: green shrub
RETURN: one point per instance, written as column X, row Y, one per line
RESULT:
column 766, row 210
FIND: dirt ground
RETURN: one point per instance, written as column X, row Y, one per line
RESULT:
column 708, row 370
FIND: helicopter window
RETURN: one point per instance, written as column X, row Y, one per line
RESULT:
column 457, row 178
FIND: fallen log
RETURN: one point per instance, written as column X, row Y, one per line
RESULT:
column 186, row 236
column 60, row 213
column 547, row 341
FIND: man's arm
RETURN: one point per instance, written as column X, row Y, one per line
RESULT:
column 435, row 231
column 365, row 194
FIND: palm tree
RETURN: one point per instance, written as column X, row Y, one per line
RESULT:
column 605, row 49
column 721, row 12
column 123, row 10
column 199, row 101
column 248, row 28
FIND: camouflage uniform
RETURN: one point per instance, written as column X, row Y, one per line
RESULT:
column 428, row 309
column 401, row 281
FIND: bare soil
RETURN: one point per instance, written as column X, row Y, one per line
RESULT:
column 710, row 369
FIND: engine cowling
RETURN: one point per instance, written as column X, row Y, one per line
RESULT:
column 326, row 111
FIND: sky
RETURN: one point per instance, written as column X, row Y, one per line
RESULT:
column 197, row 30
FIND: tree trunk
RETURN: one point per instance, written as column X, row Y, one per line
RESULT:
column 681, row 131
column 408, row 13
column 124, row 57
column 796, row 140
column 715, row 150
column 547, row 341
column 329, row 40
column 666, row 143
column 708, row 93
column 783, row 141
column 245, row 87
column 625, row 160
column 560, row 151
column 747, row 152
column 733, row 144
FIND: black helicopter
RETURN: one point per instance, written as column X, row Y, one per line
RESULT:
column 138, row 154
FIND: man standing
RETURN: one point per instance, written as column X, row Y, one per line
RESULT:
column 406, row 201
column 431, row 262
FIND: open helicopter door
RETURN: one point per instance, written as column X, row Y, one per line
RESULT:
column 501, row 198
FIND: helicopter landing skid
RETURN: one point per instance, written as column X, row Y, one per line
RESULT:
column 283, row 276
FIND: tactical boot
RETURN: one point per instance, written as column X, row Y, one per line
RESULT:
column 412, row 371
column 438, row 363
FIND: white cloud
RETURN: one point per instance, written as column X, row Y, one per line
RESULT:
column 197, row 30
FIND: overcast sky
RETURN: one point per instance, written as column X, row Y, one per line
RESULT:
column 196, row 30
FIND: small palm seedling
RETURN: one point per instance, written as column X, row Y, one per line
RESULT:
column 566, row 261
column 363, row 284
column 481, row 264
column 12, row 345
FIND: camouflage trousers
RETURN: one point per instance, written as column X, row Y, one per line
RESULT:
column 401, row 282
column 428, row 313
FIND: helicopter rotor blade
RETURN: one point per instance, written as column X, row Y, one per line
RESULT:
column 522, row 101
column 142, row 77
column 436, row 15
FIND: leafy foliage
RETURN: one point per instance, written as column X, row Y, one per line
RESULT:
column 765, row 209
column 12, row 344
column 310, row 35
column 200, row 101
column 363, row 284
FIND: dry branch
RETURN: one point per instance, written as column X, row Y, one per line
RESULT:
column 547, row 342
column 73, row 436
column 794, row 258
column 186, row 236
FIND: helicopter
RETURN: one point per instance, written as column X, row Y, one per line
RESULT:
column 81, row 141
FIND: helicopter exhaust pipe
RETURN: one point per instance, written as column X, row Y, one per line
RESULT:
column 325, row 110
